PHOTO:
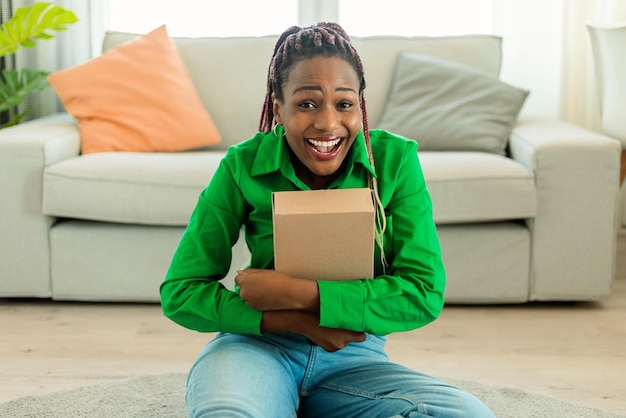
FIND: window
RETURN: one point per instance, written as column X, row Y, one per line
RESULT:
column 416, row 17
column 202, row 18
column 264, row 17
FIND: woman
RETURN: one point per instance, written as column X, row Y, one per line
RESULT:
column 292, row 346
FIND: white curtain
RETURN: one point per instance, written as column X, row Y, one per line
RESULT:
column 580, row 102
column 531, row 32
column 547, row 51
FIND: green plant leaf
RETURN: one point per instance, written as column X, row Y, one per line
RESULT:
column 33, row 22
column 16, row 119
column 16, row 86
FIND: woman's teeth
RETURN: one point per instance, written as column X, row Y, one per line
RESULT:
column 324, row 147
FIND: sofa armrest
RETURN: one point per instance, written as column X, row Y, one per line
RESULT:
column 574, row 232
column 25, row 150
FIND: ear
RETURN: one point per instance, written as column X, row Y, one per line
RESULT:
column 276, row 108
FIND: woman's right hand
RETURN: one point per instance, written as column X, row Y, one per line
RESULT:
column 307, row 324
column 334, row 339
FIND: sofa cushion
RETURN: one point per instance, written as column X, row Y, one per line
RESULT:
column 380, row 53
column 445, row 105
column 136, row 97
column 230, row 76
column 468, row 187
column 142, row 188
column 163, row 188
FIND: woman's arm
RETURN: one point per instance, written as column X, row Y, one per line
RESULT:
column 410, row 293
column 269, row 290
column 306, row 324
column 191, row 294
column 290, row 305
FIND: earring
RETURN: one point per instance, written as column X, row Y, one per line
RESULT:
column 275, row 129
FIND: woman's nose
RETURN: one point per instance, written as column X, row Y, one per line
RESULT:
column 326, row 120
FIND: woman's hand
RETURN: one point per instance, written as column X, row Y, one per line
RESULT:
column 307, row 324
column 334, row 339
column 290, row 305
column 268, row 290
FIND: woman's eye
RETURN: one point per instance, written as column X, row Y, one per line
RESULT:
column 345, row 105
column 306, row 105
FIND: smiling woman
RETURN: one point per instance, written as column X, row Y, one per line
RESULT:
column 307, row 343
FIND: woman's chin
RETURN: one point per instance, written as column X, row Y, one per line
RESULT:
column 324, row 170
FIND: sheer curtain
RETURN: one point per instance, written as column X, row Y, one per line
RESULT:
column 580, row 97
column 547, row 50
column 531, row 34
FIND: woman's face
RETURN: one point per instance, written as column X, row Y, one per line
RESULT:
column 321, row 116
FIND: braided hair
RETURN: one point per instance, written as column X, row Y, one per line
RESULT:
column 327, row 40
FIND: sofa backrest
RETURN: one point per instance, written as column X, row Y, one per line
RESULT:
column 230, row 74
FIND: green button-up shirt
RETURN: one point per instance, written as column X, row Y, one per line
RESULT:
column 406, row 295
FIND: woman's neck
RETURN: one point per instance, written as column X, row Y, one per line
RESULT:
column 314, row 181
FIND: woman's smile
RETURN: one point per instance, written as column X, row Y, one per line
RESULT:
column 325, row 148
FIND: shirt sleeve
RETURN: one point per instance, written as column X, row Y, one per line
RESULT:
column 411, row 294
column 191, row 294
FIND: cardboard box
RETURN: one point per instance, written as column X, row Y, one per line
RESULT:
column 324, row 234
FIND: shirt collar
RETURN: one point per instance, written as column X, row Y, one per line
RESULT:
column 274, row 154
column 359, row 153
column 271, row 155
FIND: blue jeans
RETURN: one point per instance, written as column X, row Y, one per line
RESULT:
column 285, row 375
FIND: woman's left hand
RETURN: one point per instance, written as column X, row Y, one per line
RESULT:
column 269, row 290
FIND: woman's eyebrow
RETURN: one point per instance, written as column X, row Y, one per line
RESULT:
column 318, row 88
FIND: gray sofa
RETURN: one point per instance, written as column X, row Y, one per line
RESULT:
column 538, row 223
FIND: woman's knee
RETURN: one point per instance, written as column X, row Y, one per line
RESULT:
column 453, row 402
column 238, row 378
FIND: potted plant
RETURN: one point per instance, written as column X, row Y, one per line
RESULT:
column 28, row 24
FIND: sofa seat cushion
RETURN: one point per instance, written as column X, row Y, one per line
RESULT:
column 163, row 188
column 468, row 187
column 128, row 187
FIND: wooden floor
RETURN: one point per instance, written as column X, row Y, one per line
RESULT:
column 574, row 352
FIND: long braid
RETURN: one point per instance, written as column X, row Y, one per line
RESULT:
column 381, row 219
column 330, row 40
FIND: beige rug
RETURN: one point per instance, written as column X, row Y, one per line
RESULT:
column 163, row 396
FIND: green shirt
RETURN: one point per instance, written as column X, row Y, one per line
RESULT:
column 408, row 296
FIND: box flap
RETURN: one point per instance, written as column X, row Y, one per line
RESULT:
column 323, row 201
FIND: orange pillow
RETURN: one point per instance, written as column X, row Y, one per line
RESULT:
column 138, row 97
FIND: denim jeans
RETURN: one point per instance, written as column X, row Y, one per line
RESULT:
column 285, row 375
